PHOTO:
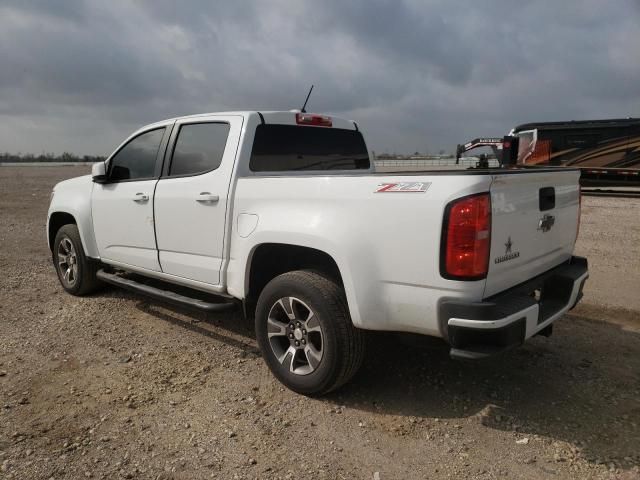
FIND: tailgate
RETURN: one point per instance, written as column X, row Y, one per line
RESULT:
column 533, row 226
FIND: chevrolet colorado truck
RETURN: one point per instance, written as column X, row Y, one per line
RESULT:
column 282, row 213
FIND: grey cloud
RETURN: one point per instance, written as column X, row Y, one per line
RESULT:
column 80, row 75
column 69, row 10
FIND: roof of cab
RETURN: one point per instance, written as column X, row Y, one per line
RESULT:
column 272, row 116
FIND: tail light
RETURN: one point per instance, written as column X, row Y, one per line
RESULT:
column 466, row 238
column 313, row 119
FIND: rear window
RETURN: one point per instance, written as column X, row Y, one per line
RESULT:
column 278, row 148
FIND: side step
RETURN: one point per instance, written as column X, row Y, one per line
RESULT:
column 164, row 295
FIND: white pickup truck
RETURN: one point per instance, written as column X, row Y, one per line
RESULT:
column 283, row 213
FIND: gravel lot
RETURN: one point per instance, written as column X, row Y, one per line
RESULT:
column 115, row 386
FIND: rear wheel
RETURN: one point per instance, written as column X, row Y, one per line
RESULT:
column 76, row 273
column 305, row 333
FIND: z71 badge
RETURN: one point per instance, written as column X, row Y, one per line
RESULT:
column 403, row 187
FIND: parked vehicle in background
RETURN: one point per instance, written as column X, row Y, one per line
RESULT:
column 606, row 151
column 281, row 212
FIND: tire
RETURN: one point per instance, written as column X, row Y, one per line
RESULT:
column 306, row 307
column 76, row 273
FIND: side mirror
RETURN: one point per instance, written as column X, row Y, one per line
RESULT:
column 99, row 172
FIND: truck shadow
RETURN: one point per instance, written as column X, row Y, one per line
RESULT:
column 228, row 327
column 582, row 386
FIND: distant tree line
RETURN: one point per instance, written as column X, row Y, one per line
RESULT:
column 48, row 157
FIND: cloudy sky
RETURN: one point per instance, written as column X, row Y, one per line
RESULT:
column 79, row 76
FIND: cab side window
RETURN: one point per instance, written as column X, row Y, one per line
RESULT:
column 137, row 159
column 199, row 148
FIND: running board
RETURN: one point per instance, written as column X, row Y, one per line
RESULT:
column 164, row 295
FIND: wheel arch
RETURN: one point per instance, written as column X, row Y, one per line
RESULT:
column 59, row 218
column 56, row 221
column 268, row 260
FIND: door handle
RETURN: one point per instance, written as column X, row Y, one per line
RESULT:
column 141, row 197
column 206, row 197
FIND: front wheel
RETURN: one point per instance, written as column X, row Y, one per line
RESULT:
column 76, row 273
column 305, row 333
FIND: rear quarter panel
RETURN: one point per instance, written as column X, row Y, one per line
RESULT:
column 386, row 245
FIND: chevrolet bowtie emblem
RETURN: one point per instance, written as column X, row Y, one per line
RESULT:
column 546, row 222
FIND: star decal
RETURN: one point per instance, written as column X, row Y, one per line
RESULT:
column 508, row 246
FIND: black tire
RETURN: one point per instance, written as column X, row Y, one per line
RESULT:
column 84, row 279
column 342, row 345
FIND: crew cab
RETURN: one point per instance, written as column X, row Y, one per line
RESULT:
column 283, row 213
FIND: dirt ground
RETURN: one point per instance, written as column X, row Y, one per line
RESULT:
column 116, row 386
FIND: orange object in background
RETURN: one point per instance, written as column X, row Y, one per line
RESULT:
column 541, row 153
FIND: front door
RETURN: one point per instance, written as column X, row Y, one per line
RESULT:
column 192, row 194
column 122, row 209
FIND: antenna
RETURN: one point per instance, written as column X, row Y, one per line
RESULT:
column 305, row 102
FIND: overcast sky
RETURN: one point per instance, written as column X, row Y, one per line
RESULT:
column 79, row 76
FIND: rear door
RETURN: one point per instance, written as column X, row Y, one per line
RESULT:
column 534, row 225
column 192, row 196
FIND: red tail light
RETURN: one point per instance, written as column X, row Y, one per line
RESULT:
column 466, row 238
column 313, row 119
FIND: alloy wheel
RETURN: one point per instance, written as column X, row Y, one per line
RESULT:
column 295, row 335
column 67, row 262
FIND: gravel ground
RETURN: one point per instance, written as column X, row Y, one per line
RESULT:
column 115, row 386
column 610, row 239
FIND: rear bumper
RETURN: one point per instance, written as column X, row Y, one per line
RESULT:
column 480, row 329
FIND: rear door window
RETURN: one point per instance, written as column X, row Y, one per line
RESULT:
column 278, row 148
column 199, row 148
column 137, row 159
